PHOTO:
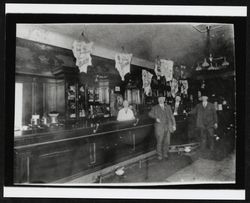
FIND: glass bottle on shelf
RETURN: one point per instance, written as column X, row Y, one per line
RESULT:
column 81, row 101
column 71, row 103
column 91, row 94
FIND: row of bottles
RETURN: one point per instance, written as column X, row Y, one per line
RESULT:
column 83, row 101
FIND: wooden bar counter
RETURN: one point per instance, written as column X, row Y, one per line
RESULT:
column 62, row 153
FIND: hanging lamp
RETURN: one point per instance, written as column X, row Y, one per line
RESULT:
column 198, row 68
column 205, row 63
column 225, row 63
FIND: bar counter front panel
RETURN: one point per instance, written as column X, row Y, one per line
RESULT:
column 64, row 153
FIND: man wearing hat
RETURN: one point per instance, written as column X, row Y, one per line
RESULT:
column 178, row 105
column 164, row 125
column 206, row 121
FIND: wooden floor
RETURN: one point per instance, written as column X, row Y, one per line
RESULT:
column 206, row 171
column 151, row 170
column 178, row 169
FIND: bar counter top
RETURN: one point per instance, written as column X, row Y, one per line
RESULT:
column 83, row 129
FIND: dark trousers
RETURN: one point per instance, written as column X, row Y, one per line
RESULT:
column 163, row 141
column 207, row 138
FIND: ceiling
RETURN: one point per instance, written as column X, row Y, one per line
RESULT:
column 185, row 44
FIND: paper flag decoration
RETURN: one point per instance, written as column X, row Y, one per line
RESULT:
column 122, row 64
column 82, row 51
column 146, row 79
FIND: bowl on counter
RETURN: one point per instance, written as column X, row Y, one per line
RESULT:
column 53, row 117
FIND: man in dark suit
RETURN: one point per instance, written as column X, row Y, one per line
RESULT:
column 177, row 107
column 164, row 125
column 206, row 121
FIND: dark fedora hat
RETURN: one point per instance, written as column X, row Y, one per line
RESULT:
column 204, row 92
column 160, row 95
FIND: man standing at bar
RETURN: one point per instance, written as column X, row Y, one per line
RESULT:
column 206, row 121
column 164, row 125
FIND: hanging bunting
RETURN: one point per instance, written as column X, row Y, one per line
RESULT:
column 82, row 51
column 164, row 68
column 184, row 87
column 167, row 69
column 146, row 79
column 122, row 63
column 174, row 87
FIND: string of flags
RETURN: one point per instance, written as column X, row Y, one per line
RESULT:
column 122, row 63
column 81, row 51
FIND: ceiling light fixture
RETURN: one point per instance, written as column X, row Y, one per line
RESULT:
column 225, row 63
column 205, row 63
column 198, row 68
column 210, row 61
